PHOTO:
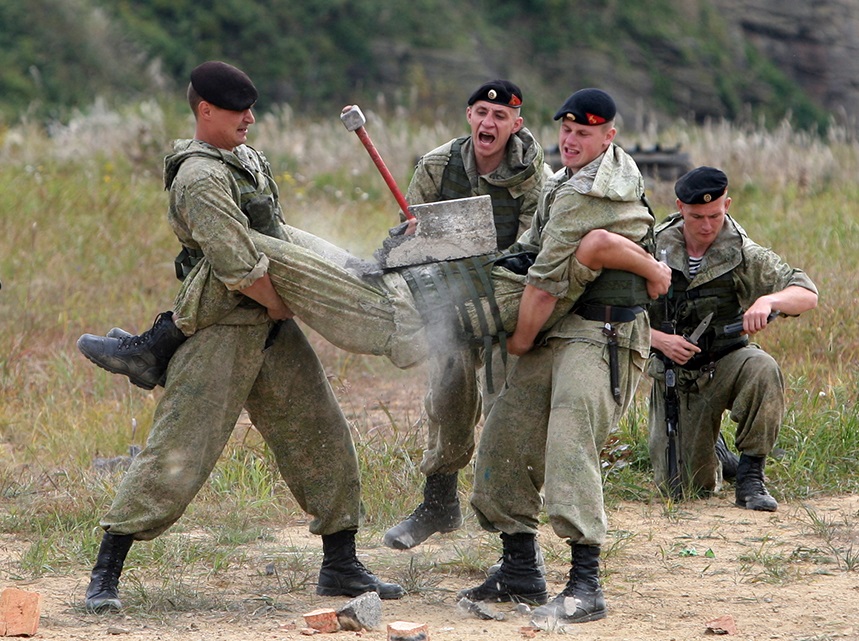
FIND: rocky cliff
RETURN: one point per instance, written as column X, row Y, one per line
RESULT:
column 815, row 43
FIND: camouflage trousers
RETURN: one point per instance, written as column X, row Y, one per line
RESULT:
column 215, row 373
column 379, row 314
column 748, row 382
column 544, row 435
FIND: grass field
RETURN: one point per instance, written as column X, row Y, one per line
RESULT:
column 84, row 246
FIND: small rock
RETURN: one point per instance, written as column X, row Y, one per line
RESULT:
column 364, row 612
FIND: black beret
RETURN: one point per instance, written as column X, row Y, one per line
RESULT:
column 499, row 92
column 588, row 107
column 224, row 86
column 701, row 185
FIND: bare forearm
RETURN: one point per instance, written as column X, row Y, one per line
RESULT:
column 534, row 310
column 263, row 292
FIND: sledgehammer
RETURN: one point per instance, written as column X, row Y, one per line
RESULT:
column 354, row 120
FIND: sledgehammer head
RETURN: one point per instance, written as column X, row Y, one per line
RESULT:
column 353, row 118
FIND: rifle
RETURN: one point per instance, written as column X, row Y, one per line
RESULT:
column 672, row 403
column 672, row 400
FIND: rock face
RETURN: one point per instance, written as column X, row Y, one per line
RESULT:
column 816, row 44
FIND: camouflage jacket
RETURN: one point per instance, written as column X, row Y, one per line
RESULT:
column 522, row 173
column 755, row 271
column 210, row 190
column 606, row 194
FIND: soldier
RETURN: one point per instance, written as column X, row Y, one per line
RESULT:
column 571, row 386
column 718, row 269
column 502, row 159
column 220, row 188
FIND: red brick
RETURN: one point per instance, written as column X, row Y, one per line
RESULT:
column 407, row 631
column 19, row 612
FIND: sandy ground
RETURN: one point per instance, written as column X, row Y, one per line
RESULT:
column 792, row 575
column 666, row 575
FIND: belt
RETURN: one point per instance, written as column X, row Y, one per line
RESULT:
column 608, row 313
column 702, row 360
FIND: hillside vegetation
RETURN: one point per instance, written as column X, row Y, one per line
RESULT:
column 671, row 58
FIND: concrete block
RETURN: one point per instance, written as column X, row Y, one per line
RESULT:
column 364, row 612
column 446, row 230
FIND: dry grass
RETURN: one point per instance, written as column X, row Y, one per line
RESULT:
column 84, row 246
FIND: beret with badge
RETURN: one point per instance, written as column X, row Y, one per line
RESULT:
column 701, row 185
column 224, row 86
column 499, row 92
column 588, row 107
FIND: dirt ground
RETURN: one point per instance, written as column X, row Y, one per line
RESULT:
column 792, row 575
column 780, row 576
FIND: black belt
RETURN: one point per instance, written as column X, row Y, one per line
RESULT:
column 608, row 313
column 702, row 360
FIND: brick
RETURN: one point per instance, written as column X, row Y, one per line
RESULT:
column 19, row 612
column 324, row 620
column 407, row 631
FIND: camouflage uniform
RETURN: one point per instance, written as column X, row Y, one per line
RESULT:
column 225, row 366
column 548, row 426
column 453, row 400
column 730, row 373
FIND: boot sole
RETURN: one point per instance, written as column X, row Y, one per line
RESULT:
column 534, row 598
column 745, row 506
column 103, row 607
column 322, row 591
column 399, row 544
column 543, row 623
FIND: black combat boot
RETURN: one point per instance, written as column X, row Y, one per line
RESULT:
column 342, row 574
column 102, row 594
column 728, row 459
column 439, row 512
column 582, row 600
column 518, row 579
column 751, row 493
column 541, row 561
column 143, row 358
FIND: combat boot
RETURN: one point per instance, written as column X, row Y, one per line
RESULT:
column 518, row 579
column 751, row 493
column 102, row 594
column 143, row 359
column 728, row 459
column 118, row 332
column 342, row 574
column 582, row 599
column 541, row 561
column 439, row 512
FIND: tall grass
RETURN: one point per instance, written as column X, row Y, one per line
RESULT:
column 84, row 246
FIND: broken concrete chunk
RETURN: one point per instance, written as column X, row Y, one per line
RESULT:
column 364, row 612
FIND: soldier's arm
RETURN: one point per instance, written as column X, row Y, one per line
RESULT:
column 601, row 249
column 792, row 300
column 534, row 310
